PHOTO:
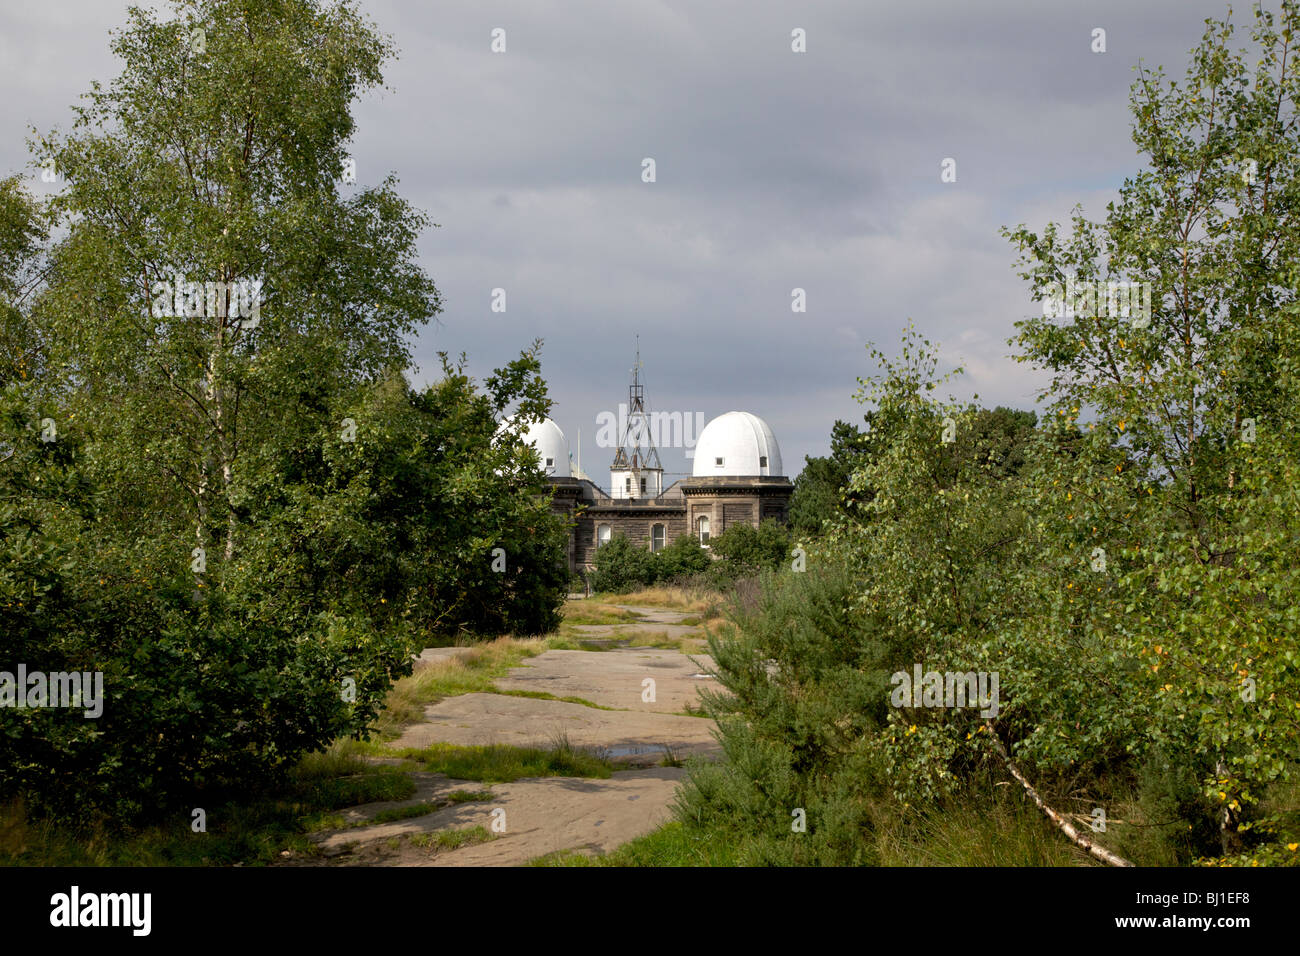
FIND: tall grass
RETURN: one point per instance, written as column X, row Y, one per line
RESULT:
column 994, row 831
column 591, row 612
column 692, row 600
column 998, row 832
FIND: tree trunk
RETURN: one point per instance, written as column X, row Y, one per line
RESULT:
column 1229, row 838
column 1092, row 849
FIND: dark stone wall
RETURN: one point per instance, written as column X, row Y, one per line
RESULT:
column 726, row 501
column 635, row 525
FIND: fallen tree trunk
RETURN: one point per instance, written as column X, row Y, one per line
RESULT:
column 1092, row 849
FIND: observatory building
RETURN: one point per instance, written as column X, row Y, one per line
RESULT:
column 737, row 477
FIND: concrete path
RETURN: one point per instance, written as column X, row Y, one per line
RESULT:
column 629, row 726
column 617, row 677
column 482, row 719
column 536, row 816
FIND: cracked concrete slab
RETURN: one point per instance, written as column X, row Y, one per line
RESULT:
column 541, row 816
column 484, row 719
column 615, row 678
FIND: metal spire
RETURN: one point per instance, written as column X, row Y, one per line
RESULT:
column 632, row 455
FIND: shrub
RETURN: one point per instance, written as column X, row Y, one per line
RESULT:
column 621, row 566
column 805, row 696
column 745, row 549
column 681, row 559
column 226, row 677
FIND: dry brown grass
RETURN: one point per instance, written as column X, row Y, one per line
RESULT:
column 690, row 600
column 718, row 626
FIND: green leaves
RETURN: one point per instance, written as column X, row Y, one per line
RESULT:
column 1212, row 226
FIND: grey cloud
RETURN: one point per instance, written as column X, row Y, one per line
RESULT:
column 775, row 170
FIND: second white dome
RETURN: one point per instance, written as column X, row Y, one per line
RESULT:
column 738, row 445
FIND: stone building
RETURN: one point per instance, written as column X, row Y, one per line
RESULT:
column 737, row 477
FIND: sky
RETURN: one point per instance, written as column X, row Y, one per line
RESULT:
column 774, row 170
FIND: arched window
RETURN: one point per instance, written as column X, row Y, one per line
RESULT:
column 656, row 537
column 702, row 523
column 602, row 535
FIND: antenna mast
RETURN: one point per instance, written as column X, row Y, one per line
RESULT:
column 637, row 451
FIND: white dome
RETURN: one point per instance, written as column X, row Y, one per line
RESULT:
column 743, row 444
column 550, row 444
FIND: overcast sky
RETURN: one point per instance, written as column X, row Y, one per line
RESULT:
column 774, row 170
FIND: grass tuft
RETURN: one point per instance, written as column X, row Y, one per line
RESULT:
column 452, row 839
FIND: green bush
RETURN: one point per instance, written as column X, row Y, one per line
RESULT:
column 621, row 566
column 681, row 559
column 747, row 550
column 743, row 551
column 225, row 677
